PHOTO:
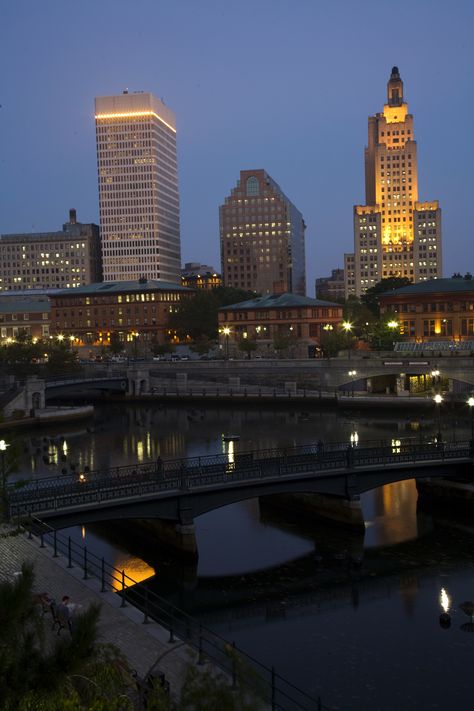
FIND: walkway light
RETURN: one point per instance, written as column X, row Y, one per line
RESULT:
column 438, row 399
column 3, row 451
column 226, row 332
column 470, row 402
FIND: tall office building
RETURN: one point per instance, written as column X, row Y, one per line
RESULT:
column 138, row 187
column 395, row 235
column 262, row 237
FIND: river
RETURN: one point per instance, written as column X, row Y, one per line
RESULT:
column 354, row 618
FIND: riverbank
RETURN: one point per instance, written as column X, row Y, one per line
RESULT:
column 48, row 416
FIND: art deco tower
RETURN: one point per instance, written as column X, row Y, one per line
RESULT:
column 138, row 188
column 395, row 235
column 262, row 237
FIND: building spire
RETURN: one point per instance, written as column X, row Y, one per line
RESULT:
column 395, row 88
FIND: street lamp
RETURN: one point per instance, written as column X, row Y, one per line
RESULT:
column 3, row 451
column 470, row 402
column 226, row 332
column 347, row 326
column 352, row 374
column 438, row 399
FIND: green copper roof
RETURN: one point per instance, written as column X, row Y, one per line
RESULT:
column 432, row 286
column 278, row 301
column 121, row 287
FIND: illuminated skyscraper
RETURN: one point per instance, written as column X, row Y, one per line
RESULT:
column 262, row 237
column 138, row 188
column 395, row 235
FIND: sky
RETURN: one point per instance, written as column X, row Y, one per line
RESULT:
column 284, row 85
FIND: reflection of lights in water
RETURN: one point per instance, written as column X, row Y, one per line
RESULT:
column 354, row 438
column 140, row 451
column 82, row 477
column 396, row 444
column 64, row 447
column 134, row 568
column 148, row 445
column 83, row 533
column 230, row 452
column 444, row 600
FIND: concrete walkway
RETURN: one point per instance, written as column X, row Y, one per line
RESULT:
column 145, row 646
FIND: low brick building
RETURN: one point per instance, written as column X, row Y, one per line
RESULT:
column 135, row 310
column 28, row 315
column 435, row 310
column 266, row 319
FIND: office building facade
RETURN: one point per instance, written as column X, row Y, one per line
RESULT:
column 138, row 187
column 46, row 260
column 395, row 235
column 262, row 237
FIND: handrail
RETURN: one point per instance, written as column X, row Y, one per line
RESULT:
column 271, row 687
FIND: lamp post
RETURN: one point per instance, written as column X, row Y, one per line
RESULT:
column 470, row 402
column 347, row 326
column 352, row 374
column 438, row 399
column 226, row 332
column 3, row 451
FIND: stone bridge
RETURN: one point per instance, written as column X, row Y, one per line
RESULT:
column 177, row 491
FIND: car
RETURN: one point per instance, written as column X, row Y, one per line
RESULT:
column 175, row 357
column 157, row 358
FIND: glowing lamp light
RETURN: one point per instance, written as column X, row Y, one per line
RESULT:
column 438, row 399
column 347, row 326
column 392, row 324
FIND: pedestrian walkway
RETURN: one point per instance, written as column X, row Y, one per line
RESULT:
column 145, row 646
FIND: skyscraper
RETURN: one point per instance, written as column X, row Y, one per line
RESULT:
column 262, row 237
column 395, row 235
column 138, row 187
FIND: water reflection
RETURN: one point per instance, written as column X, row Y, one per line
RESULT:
column 264, row 576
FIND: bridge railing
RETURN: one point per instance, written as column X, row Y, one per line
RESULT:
column 241, row 670
column 176, row 476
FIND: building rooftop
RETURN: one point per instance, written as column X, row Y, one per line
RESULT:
column 120, row 287
column 278, row 301
column 433, row 286
column 9, row 306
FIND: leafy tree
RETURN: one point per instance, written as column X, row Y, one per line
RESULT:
column 382, row 336
column 196, row 317
column 284, row 342
column 202, row 345
column 247, row 345
column 371, row 296
column 332, row 342
column 116, row 346
column 158, row 349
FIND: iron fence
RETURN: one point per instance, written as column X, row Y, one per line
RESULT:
column 241, row 669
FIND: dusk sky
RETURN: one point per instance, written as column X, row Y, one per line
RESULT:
column 284, row 85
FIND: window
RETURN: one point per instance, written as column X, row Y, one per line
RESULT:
column 253, row 188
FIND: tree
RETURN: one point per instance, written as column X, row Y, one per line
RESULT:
column 332, row 342
column 284, row 342
column 196, row 317
column 382, row 336
column 116, row 346
column 371, row 296
column 247, row 345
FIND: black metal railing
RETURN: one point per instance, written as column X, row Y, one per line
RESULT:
column 181, row 475
column 241, row 669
